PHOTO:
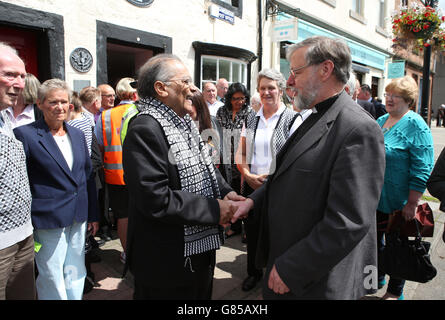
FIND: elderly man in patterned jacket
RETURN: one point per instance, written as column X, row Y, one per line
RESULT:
column 16, row 232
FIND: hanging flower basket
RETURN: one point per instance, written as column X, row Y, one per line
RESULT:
column 418, row 27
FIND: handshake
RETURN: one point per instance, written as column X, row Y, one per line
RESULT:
column 233, row 207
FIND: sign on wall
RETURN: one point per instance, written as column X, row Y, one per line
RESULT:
column 396, row 70
column 221, row 13
column 81, row 60
column 285, row 30
column 141, row 3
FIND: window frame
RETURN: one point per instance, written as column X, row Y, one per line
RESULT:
column 231, row 60
column 358, row 3
column 219, row 50
column 358, row 15
column 382, row 14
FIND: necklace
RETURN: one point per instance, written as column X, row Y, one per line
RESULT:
column 385, row 130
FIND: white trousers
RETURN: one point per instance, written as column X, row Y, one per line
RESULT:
column 61, row 262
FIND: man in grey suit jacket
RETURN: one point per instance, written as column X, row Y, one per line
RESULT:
column 317, row 211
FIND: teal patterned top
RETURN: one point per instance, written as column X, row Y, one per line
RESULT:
column 409, row 160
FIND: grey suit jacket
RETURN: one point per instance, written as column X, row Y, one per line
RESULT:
column 319, row 208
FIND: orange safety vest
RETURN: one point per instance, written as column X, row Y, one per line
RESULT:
column 111, row 126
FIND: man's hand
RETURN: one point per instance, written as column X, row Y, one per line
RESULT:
column 226, row 211
column 275, row 283
column 232, row 195
column 242, row 209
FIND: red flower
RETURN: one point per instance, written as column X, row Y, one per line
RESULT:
column 426, row 44
column 426, row 26
column 443, row 18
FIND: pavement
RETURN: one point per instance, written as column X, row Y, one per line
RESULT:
column 231, row 264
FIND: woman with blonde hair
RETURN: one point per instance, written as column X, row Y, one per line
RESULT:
column 409, row 161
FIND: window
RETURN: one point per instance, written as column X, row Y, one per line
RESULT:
column 214, row 61
column 357, row 6
column 357, row 11
column 381, row 23
column 214, row 68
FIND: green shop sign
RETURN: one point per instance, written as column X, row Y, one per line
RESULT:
column 359, row 52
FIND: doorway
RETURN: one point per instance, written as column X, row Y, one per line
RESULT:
column 26, row 43
column 122, row 51
column 124, row 60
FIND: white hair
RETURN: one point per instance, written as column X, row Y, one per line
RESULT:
column 7, row 47
column 351, row 84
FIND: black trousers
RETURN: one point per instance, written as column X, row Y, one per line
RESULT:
column 252, row 225
column 200, row 270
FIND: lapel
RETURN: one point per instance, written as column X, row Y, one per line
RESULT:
column 46, row 139
column 314, row 134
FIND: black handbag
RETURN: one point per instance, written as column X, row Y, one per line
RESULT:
column 406, row 259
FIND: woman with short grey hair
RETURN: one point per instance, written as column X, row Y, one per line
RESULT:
column 273, row 75
column 263, row 135
column 63, row 194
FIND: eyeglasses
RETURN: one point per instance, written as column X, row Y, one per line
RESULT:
column 108, row 95
column 239, row 99
column 185, row 81
column 295, row 70
column 392, row 96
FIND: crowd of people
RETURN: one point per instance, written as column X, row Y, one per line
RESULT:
column 309, row 184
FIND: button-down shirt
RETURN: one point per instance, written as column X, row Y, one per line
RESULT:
column 27, row 116
column 213, row 108
column 89, row 116
column 262, row 155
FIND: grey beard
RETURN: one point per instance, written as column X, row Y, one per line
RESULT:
column 304, row 102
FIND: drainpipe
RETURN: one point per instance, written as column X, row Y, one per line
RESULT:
column 260, row 35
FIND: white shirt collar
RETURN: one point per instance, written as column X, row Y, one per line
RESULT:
column 276, row 114
column 28, row 112
column 126, row 102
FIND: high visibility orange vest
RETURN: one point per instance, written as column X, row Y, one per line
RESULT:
column 111, row 126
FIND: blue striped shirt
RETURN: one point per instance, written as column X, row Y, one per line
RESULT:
column 84, row 124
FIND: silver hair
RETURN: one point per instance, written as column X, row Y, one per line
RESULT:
column 50, row 85
column 322, row 48
column 7, row 47
column 273, row 75
column 352, row 83
column 155, row 69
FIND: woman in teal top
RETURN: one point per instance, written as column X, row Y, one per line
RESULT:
column 409, row 161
